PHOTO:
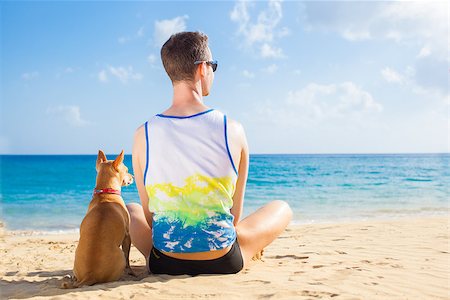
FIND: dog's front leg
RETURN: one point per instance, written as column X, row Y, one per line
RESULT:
column 126, row 245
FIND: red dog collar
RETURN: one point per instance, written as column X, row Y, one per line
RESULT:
column 106, row 191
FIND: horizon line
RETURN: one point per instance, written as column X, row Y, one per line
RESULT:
column 323, row 153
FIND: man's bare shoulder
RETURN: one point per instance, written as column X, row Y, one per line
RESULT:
column 139, row 132
column 236, row 130
column 235, row 125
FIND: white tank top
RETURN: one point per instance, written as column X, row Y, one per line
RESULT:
column 190, row 178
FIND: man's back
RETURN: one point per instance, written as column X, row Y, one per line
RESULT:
column 190, row 179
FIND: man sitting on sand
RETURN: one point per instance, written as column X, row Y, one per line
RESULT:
column 191, row 164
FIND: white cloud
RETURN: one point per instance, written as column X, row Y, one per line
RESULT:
column 154, row 61
column 410, row 71
column 68, row 113
column 270, row 69
column 240, row 15
column 138, row 34
column 416, row 78
column 283, row 32
column 123, row 39
column 268, row 51
column 355, row 35
column 262, row 33
column 124, row 74
column 102, row 76
column 317, row 102
column 418, row 25
column 423, row 24
column 425, row 51
column 434, row 95
column 346, row 118
column 431, row 73
column 165, row 28
column 30, row 75
column 151, row 59
column 391, row 75
column 66, row 71
column 248, row 74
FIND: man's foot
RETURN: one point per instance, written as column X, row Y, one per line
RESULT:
column 258, row 256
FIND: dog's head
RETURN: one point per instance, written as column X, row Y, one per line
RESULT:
column 115, row 171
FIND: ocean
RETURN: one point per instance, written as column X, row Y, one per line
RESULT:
column 50, row 193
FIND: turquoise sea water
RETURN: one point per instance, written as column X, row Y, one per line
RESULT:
column 51, row 193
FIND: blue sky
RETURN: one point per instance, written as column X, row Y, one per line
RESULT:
column 302, row 77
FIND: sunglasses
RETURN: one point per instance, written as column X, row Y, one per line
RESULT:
column 212, row 63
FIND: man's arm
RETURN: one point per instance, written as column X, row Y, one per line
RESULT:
column 139, row 161
column 243, row 161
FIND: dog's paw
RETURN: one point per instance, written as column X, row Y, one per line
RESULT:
column 67, row 282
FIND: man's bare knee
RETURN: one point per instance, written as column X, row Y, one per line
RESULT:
column 280, row 203
column 283, row 206
column 286, row 207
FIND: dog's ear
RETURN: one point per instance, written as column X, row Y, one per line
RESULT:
column 118, row 161
column 100, row 158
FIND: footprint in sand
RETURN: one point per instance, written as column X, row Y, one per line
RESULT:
column 318, row 266
column 291, row 256
column 371, row 283
column 318, row 294
column 257, row 281
column 315, row 283
column 397, row 266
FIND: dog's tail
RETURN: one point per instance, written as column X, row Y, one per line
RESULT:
column 71, row 282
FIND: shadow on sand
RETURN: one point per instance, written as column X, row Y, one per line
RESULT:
column 51, row 282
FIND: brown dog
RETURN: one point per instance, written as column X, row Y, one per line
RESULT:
column 98, row 257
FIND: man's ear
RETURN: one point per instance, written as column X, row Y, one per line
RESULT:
column 202, row 69
column 100, row 159
column 118, row 161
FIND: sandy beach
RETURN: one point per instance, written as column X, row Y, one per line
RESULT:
column 396, row 259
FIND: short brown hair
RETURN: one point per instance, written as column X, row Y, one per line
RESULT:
column 179, row 53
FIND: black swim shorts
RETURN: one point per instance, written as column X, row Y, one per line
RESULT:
column 230, row 263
